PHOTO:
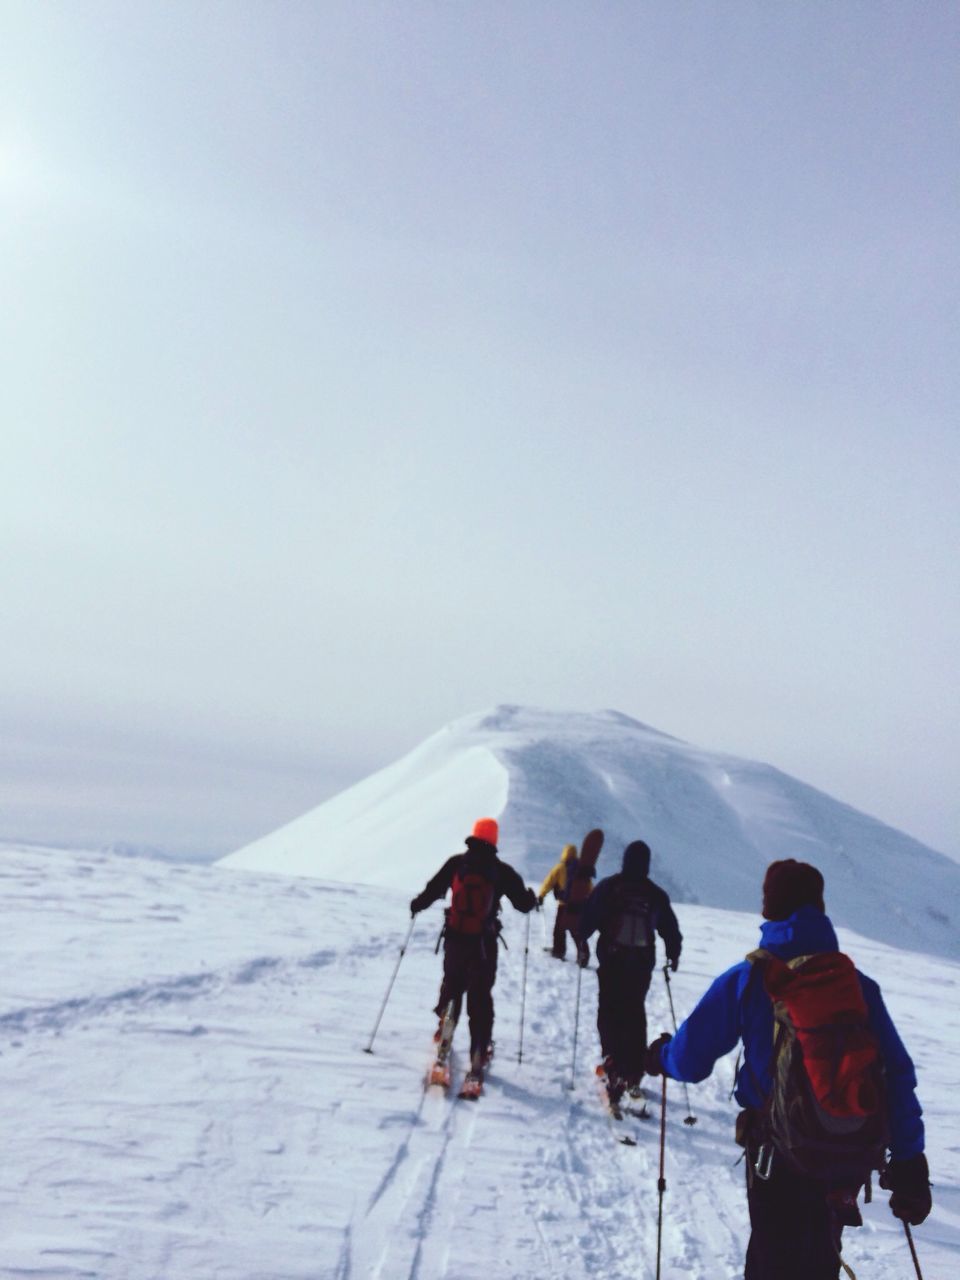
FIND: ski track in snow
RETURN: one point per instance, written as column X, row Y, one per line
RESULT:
column 185, row 1094
column 56, row 1018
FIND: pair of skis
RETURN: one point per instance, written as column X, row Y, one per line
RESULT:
column 441, row 1075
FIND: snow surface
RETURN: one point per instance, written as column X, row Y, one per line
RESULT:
column 186, row 1093
column 713, row 821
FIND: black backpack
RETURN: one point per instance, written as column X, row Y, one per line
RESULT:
column 473, row 903
column 632, row 920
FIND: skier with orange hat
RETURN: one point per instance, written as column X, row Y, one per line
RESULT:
column 477, row 880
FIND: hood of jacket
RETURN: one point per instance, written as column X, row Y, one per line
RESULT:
column 569, row 853
column 480, row 853
column 636, row 861
column 804, row 933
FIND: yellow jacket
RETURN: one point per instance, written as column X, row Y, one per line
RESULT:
column 557, row 878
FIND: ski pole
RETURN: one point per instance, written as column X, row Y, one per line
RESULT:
column 523, row 990
column 690, row 1118
column 661, row 1182
column 913, row 1250
column 576, row 1027
column 413, row 920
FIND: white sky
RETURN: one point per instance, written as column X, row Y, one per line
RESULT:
column 364, row 365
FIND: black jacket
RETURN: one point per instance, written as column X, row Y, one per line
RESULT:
column 480, row 857
column 601, row 907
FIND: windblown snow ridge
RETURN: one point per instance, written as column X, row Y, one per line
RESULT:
column 713, row 821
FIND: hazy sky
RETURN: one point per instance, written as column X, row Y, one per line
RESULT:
column 364, row 365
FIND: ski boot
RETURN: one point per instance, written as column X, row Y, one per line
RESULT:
column 473, row 1081
column 440, row 1071
column 614, row 1084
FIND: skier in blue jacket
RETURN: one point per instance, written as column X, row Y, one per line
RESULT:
column 794, row 1235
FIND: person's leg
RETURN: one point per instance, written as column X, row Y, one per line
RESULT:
column 791, row 1234
column 617, row 1010
column 560, row 933
column 454, row 981
column 573, row 927
column 482, row 976
column 613, row 1010
column 606, row 1009
column 634, row 1025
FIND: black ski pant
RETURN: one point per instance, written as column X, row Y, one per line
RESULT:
column 624, row 980
column 470, row 969
column 571, row 919
column 793, row 1235
column 560, row 933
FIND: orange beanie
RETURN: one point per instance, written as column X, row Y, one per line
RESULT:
column 487, row 829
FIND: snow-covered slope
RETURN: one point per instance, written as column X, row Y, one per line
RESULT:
column 186, row 1094
column 714, row 821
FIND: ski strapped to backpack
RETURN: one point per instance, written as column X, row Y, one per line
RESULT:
column 472, row 905
column 826, row 1112
column 583, row 870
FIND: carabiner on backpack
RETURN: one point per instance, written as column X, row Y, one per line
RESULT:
column 763, row 1165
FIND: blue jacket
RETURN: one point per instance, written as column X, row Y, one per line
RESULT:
column 734, row 1008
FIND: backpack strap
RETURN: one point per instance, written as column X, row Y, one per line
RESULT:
column 761, row 1165
column 755, row 960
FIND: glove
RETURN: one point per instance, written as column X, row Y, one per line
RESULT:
column 415, row 905
column 908, row 1182
column 652, row 1065
column 532, row 901
column 539, row 901
column 674, row 964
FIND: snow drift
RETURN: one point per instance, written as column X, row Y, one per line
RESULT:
column 186, row 1094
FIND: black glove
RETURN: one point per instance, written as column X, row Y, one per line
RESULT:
column 652, row 1065
column 674, row 964
column 532, row 901
column 908, row 1182
column 415, row 905
column 539, row 904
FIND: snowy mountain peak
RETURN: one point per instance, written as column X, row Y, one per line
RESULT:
column 511, row 718
column 713, row 821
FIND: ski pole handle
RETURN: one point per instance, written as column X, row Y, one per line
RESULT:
column 666, row 978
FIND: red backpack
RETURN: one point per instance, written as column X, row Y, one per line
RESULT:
column 472, row 905
column 826, row 1112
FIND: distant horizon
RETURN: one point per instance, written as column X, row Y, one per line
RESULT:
column 257, row 812
column 367, row 364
